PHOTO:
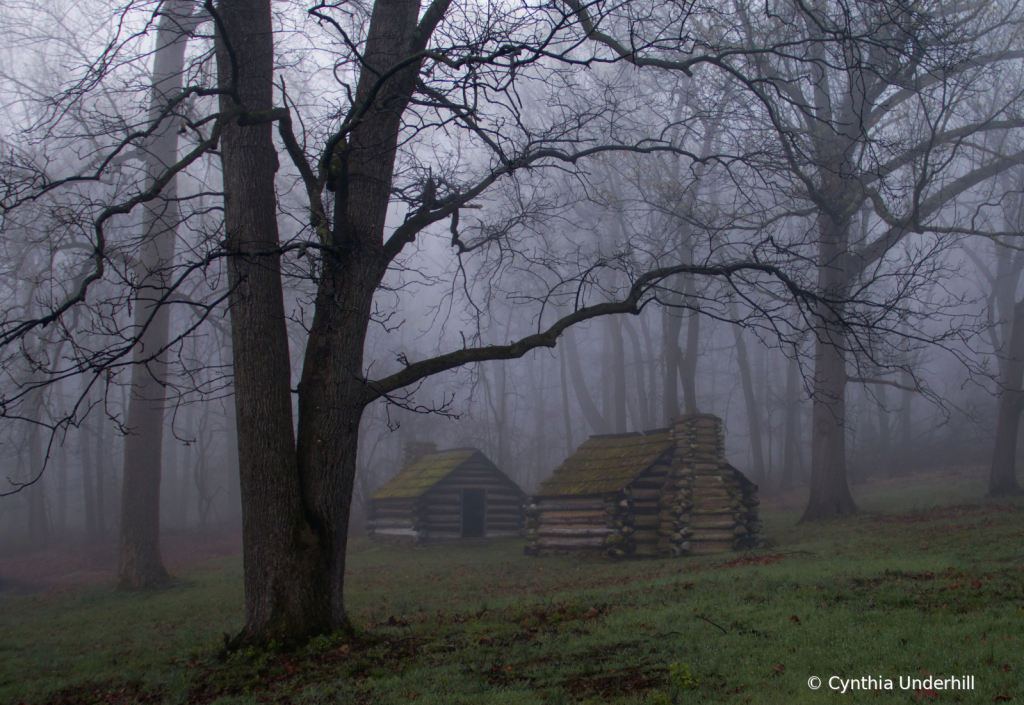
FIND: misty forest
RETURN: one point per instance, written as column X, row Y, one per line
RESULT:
column 481, row 351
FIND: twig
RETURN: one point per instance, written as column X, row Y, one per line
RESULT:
column 700, row 616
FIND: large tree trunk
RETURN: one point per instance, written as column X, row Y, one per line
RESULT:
column 830, row 489
column 296, row 492
column 140, row 564
column 1003, row 477
column 286, row 580
column 332, row 391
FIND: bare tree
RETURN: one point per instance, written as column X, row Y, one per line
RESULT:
column 378, row 181
column 853, row 76
column 1006, row 334
column 139, row 563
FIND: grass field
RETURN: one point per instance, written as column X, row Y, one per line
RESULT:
column 925, row 582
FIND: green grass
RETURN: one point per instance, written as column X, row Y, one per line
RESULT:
column 935, row 591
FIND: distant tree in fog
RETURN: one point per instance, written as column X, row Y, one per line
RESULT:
column 869, row 116
column 1002, row 270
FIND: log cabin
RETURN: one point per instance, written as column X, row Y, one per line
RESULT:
column 667, row 492
column 446, row 495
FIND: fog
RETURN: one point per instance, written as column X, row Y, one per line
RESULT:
column 812, row 234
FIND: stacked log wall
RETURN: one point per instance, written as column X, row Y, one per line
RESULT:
column 570, row 524
column 437, row 514
column 716, row 505
column 504, row 502
column 647, row 492
column 689, row 501
column 400, row 519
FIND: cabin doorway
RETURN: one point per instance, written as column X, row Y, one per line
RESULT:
column 474, row 503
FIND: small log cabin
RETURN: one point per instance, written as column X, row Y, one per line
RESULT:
column 666, row 492
column 446, row 496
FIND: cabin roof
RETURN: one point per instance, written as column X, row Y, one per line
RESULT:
column 426, row 472
column 606, row 463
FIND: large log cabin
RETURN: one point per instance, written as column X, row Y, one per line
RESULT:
column 666, row 492
column 446, row 495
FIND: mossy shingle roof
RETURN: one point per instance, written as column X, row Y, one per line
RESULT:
column 605, row 464
column 426, row 472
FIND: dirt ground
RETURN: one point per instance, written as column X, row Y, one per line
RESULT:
column 73, row 563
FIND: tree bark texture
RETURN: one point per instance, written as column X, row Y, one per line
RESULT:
column 296, row 490
column 286, row 579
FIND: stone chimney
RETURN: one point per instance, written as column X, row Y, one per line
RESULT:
column 414, row 450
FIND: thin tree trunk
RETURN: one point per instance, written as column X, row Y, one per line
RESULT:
column 1003, row 477
column 593, row 417
column 607, row 377
column 618, row 372
column 671, row 324
column 38, row 526
column 61, row 522
column 753, row 413
column 902, row 466
column 85, row 457
column 884, row 433
column 688, row 361
column 140, row 564
column 789, row 444
column 646, row 421
column 101, row 474
column 541, row 423
column 769, row 413
column 652, row 372
column 566, row 416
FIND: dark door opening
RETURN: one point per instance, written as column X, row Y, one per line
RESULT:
column 474, row 504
